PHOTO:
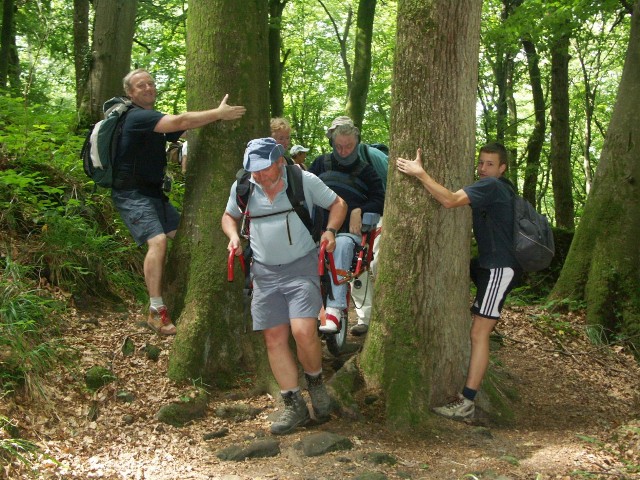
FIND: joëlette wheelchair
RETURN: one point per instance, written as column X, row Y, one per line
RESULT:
column 329, row 275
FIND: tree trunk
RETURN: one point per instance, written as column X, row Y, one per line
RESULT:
column 536, row 140
column 114, row 26
column 9, row 63
column 560, row 134
column 357, row 101
column 276, row 8
column 215, row 340
column 81, row 49
column 603, row 264
column 417, row 348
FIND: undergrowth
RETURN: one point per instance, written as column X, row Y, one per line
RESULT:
column 59, row 241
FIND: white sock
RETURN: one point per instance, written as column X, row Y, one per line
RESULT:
column 156, row 302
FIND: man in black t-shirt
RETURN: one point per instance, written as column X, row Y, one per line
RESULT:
column 495, row 272
column 137, row 192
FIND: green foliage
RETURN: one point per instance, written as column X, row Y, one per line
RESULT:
column 599, row 33
column 314, row 78
column 76, row 241
column 28, row 327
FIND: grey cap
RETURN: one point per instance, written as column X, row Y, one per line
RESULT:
column 261, row 153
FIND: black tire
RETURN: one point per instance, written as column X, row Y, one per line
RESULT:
column 336, row 341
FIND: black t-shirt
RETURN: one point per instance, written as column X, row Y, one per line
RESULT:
column 492, row 207
column 141, row 157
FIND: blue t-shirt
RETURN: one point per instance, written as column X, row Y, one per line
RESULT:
column 141, row 157
column 282, row 238
column 492, row 208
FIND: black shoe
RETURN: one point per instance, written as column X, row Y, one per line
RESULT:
column 320, row 399
column 295, row 414
column 359, row 329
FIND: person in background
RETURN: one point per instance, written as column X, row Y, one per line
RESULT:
column 495, row 272
column 299, row 155
column 137, row 191
column 281, row 132
column 286, row 287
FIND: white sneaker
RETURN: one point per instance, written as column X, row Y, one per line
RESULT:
column 332, row 321
column 460, row 409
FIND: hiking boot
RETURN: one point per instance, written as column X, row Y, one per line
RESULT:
column 332, row 321
column 320, row 399
column 359, row 329
column 459, row 409
column 160, row 322
column 295, row 414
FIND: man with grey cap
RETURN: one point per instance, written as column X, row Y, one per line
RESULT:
column 299, row 155
column 286, row 286
column 356, row 181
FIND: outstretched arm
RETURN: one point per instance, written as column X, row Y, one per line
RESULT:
column 446, row 197
column 188, row 120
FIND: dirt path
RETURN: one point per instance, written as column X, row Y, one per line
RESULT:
column 577, row 417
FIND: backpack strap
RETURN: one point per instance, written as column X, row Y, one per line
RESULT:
column 295, row 195
column 244, row 189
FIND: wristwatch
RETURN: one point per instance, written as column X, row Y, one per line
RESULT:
column 332, row 230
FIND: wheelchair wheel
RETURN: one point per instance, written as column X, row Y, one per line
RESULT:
column 336, row 341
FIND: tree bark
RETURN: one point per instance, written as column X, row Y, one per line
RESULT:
column 9, row 63
column 560, row 155
column 114, row 26
column 276, row 65
column 536, row 140
column 214, row 341
column 602, row 267
column 417, row 346
column 357, row 101
column 81, row 48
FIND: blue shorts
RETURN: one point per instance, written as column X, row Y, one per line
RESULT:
column 283, row 292
column 145, row 217
column 493, row 285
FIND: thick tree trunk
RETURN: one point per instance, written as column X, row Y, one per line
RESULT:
column 276, row 65
column 603, row 264
column 417, row 348
column 115, row 22
column 81, row 49
column 560, row 134
column 536, row 140
column 357, row 101
column 215, row 341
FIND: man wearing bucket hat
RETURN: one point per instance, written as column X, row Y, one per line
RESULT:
column 286, row 286
column 357, row 182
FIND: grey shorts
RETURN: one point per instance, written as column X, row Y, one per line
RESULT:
column 283, row 292
column 145, row 217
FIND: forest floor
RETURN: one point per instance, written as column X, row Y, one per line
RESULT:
column 577, row 416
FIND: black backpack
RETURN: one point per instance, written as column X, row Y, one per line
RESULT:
column 101, row 143
column 533, row 244
column 295, row 194
column 349, row 181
